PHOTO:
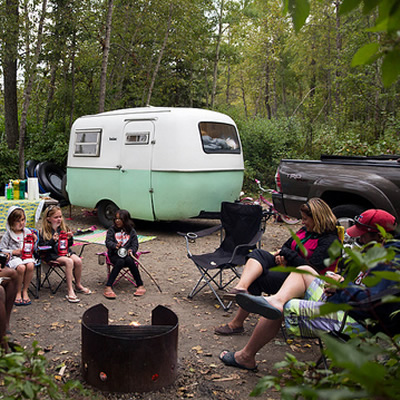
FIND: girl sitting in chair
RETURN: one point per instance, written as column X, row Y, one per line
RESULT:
column 122, row 242
column 13, row 243
column 53, row 230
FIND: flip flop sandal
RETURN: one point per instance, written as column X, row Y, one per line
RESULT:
column 110, row 295
column 26, row 302
column 258, row 305
column 139, row 292
column 226, row 330
column 228, row 358
column 18, row 302
column 83, row 291
column 231, row 295
column 72, row 299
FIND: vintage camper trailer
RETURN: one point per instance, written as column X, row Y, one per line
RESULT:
column 158, row 163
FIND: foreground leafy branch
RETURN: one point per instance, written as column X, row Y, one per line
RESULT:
column 24, row 376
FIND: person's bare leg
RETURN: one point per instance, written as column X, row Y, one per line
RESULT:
column 251, row 271
column 263, row 333
column 69, row 275
column 78, row 272
column 10, row 286
column 20, row 277
column 3, row 317
column 294, row 286
column 238, row 319
column 29, row 269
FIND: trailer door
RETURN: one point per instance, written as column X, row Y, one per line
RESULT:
column 136, row 161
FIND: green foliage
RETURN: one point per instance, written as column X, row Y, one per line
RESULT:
column 362, row 368
column 265, row 142
column 388, row 22
column 365, row 367
column 24, row 376
column 8, row 165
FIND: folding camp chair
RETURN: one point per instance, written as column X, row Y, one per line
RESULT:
column 124, row 273
column 55, row 269
column 240, row 232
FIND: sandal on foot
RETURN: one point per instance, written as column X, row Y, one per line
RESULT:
column 26, row 302
column 72, row 299
column 140, row 292
column 258, row 305
column 84, row 290
column 18, row 302
column 110, row 295
column 227, row 330
column 231, row 295
column 228, row 358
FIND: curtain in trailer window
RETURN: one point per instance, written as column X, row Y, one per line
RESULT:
column 87, row 142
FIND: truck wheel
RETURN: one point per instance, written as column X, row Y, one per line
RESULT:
column 345, row 213
column 106, row 212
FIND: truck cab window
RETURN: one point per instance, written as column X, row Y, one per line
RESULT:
column 219, row 138
column 87, row 142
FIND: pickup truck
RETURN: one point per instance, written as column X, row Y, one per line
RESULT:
column 349, row 184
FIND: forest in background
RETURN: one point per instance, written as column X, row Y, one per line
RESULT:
column 292, row 94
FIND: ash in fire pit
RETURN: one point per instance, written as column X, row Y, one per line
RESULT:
column 126, row 358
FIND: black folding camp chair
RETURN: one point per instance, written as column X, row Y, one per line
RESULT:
column 240, row 233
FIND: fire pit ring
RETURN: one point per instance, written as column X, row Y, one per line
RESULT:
column 126, row 358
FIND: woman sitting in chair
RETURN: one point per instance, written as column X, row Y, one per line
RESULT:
column 317, row 234
column 122, row 243
column 299, row 298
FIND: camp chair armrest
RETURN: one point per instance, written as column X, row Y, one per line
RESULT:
column 190, row 237
column 249, row 246
column 202, row 233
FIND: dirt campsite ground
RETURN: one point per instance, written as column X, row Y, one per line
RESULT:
column 56, row 324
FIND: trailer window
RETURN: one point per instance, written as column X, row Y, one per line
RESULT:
column 137, row 138
column 87, row 142
column 219, row 138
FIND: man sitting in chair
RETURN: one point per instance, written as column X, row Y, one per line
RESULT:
column 301, row 295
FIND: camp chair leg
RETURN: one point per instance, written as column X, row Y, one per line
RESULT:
column 208, row 279
column 47, row 278
column 37, row 284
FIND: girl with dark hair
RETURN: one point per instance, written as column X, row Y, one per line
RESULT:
column 121, row 242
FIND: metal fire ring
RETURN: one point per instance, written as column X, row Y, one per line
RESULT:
column 125, row 358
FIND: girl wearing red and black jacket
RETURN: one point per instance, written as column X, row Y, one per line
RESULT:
column 317, row 234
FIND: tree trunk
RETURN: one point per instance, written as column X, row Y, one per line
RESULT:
column 217, row 51
column 28, row 90
column 164, row 45
column 10, row 55
column 50, row 95
column 71, row 115
column 106, row 52
column 338, row 58
column 266, row 88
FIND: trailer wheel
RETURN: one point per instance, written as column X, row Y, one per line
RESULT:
column 106, row 211
column 345, row 213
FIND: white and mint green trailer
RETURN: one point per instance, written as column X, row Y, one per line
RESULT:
column 160, row 164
